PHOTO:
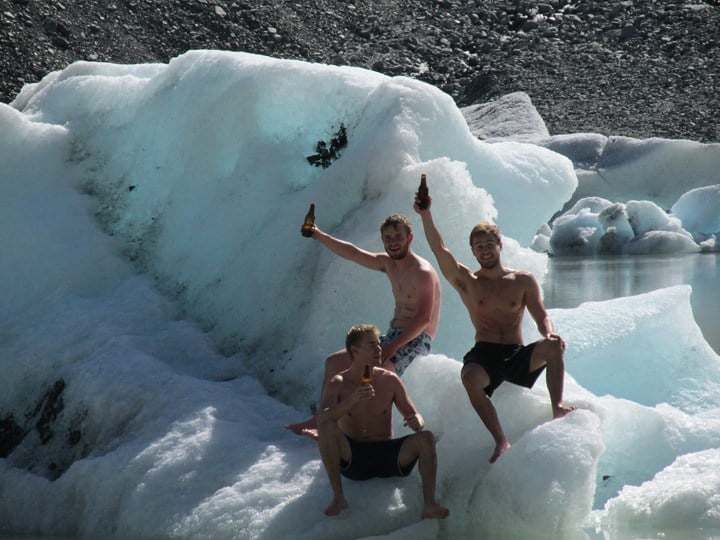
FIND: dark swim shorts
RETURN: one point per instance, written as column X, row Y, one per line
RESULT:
column 378, row 459
column 504, row 362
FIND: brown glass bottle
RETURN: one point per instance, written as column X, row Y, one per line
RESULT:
column 423, row 194
column 307, row 226
column 367, row 377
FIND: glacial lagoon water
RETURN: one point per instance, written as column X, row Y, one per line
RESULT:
column 571, row 281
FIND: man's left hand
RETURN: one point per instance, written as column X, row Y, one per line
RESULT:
column 555, row 337
column 387, row 354
column 414, row 422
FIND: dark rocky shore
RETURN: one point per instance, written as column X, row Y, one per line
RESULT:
column 640, row 68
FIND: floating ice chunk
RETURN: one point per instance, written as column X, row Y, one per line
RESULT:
column 699, row 209
column 618, row 230
column 576, row 234
column 682, row 496
column 615, row 216
column 593, row 204
column 645, row 348
column 646, row 216
column 541, row 241
column 597, row 226
column 710, row 243
column 662, row 242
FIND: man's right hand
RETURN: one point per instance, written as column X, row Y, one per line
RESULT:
column 414, row 422
column 316, row 232
column 364, row 392
column 416, row 204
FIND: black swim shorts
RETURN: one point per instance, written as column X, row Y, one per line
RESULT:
column 377, row 459
column 504, row 362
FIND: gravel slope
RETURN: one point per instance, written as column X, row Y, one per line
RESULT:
column 639, row 68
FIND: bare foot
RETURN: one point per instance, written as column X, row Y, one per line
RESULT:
column 500, row 449
column 310, row 434
column 434, row 511
column 304, row 428
column 561, row 411
column 336, row 506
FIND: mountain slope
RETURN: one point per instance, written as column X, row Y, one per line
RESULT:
column 639, row 68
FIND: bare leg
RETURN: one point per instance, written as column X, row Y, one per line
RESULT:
column 421, row 445
column 333, row 447
column 475, row 379
column 550, row 353
column 334, row 364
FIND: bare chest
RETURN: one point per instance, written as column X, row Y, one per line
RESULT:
column 372, row 410
column 404, row 288
column 498, row 296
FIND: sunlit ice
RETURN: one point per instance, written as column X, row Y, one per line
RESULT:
column 162, row 317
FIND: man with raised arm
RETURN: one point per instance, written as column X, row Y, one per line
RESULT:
column 416, row 288
column 496, row 298
column 355, row 426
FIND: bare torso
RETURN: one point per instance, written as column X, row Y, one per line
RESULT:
column 496, row 305
column 369, row 420
column 409, row 280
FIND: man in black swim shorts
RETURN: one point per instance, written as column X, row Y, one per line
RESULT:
column 375, row 459
column 496, row 298
column 355, row 430
column 504, row 363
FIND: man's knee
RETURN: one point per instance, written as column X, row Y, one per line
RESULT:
column 426, row 438
column 431, row 442
column 474, row 377
column 423, row 444
column 549, row 349
column 558, row 352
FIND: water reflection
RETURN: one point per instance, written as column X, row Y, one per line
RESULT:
column 572, row 281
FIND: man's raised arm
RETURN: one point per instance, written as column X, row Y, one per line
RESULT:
column 346, row 250
column 453, row 271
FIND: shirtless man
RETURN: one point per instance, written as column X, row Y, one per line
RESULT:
column 355, row 426
column 496, row 298
column 416, row 288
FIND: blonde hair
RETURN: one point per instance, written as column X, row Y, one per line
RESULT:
column 485, row 227
column 356, row 333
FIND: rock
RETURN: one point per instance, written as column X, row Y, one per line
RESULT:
column 510, row 115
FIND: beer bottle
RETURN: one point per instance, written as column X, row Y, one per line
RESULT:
column 423, row 194
column 307, row 226
column 366, row 378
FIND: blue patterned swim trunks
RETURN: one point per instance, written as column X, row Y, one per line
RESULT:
column 418, row 346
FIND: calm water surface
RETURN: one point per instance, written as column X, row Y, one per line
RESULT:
column 572, row 281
